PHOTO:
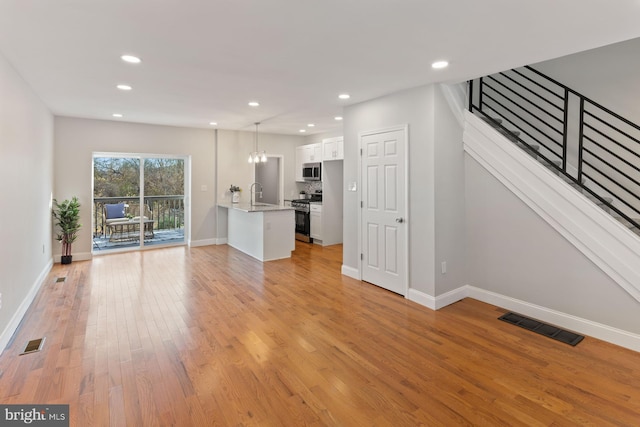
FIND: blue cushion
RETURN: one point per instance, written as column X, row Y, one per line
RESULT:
column 115, row 211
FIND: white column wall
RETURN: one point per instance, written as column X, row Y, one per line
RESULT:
column 415, row 108
column 449, row 231
column 26, row 186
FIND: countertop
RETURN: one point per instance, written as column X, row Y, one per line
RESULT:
column 258, row 207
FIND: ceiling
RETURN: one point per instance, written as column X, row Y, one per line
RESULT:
column 204, row 60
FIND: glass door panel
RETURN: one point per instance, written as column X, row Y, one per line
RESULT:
column 164, row 197
column 116, row 207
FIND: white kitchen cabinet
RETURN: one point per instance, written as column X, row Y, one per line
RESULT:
column 316, row 221
column 313, row 153
column 310, row 153
column 300, row 150
column 333, row 148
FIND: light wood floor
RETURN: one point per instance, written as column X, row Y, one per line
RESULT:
column 208, row 336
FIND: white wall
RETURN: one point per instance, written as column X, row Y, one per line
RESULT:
column 234, row 169
column 77, row 139
column 608, row 75
column 414, row 107
column 513, row 252
column 450, row 233
column 26, row 186
column 318, row 137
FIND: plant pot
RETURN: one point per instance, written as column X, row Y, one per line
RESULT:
column 235, row 197
column 65, row 259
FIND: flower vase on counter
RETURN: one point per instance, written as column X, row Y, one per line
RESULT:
column 235, row 193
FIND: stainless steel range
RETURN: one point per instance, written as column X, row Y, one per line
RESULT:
column 303, row 217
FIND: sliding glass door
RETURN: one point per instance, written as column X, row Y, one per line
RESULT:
column 137, row 201
column 164, row 194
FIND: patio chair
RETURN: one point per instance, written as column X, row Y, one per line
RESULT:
column 122, row 227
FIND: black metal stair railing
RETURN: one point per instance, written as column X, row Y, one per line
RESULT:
column 593, row 147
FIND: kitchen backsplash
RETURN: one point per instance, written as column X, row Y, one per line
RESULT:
column 311, row 187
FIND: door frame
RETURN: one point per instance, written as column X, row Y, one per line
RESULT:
column 280, row 158
column 405, row 263
column 187, row 195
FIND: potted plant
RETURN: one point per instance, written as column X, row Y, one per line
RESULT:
column 235, row 193
column 67, row 216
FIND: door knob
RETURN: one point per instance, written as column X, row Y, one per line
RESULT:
column 400, row 220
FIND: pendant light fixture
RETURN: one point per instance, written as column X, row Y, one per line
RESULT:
column 257, row 156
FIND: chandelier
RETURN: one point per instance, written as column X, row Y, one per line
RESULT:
column 257, row 156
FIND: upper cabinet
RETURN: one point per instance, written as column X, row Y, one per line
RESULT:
column 313, row 153
column 333, row 148
column 310, row 153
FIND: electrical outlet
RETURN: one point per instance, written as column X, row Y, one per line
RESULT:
column 444, row 267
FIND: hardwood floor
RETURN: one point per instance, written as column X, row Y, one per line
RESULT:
column 209, row 336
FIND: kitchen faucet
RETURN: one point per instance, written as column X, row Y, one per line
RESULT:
column 251, row 192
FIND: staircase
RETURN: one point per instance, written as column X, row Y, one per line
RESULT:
column 594, row 150
column 533, row 151
column 577, row 172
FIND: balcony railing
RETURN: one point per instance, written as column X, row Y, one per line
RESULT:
column 167, row 212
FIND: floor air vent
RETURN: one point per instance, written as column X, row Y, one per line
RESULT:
column 542, row 328
column 60, row 279
column 33, row 346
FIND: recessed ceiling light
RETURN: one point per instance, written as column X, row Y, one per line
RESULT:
column 213, row 123
column 254, row 104
column 303, row 130
column 440, row 64
column 344, row 96
column 130, row 59
column 117, row 115
column 124, row 87
column 310, row 125
column 337, row 118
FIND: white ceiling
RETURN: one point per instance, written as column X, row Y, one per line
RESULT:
column 203, row 60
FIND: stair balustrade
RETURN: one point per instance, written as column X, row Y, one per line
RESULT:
column 592, row 147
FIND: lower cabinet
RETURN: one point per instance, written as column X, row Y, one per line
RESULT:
column 316, row 221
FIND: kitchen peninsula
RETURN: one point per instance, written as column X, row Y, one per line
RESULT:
column 264, row 231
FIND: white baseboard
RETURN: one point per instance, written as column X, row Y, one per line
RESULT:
column 222, row 241
column 586, row 327
column 203, row 242
column 576, row 324
column 350, row 272
column 24, row 306
column 421, row 298
column 436, row 303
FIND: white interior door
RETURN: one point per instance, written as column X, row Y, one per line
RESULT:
column 384, row 226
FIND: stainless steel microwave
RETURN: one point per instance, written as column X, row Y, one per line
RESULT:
column 311, row 171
